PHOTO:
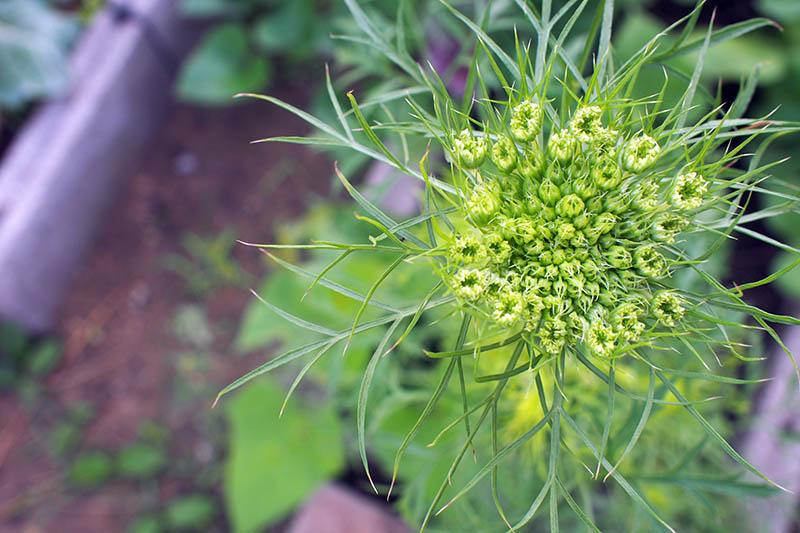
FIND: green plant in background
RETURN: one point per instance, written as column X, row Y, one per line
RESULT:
column 210, row 264
column 34, row 42
column 259, row 462
column 24, row 359
column 570, row 235
column 254, row 38
column 235, row 56
column 90, row 470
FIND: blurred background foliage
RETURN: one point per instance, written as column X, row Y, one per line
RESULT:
column 256, row 46
column 35, row 39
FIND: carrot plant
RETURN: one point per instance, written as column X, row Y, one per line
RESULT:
column 571, row 225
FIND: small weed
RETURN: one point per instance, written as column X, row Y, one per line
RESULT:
column 209, row 264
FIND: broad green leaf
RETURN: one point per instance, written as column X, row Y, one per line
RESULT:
column 288, row 30
column 784, row 11
column 34, row 46
column 749, row 51
column 222, row 66
column 276, row 463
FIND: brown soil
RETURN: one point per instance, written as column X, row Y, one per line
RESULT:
column 202, row 176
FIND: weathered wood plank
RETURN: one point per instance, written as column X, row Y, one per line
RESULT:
column 64, row 168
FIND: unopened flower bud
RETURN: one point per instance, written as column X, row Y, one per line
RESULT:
column 619, row 257
column 689, row 191
column 531, row 164
column 607, row 176
column 570, row 206
column 561, row 146
column 649, row 261
column 640, row 153
column 504, row 154
column 668, row 308
column 483, row 204
column 585, row 188
column 667, row 226
column 604, row 223
column 526, row 121
column 469, row 149
column 549, row 192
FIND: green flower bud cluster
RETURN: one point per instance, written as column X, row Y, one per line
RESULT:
column 558, row 230
column 569, row 242
column 526, row 121
column 469, row 149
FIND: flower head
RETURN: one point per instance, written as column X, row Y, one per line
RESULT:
column 586, row 123
column 497, row 248
column 509, row 307
column 668, row 308
column 689, row 191
column 667, row 226
column 484, row 203
column 649, row 261
column 526, row 121
column 640, row 153
column 469, row 284
column 562, row 146
column 585, row 231
column 467, row 249
column 504, row 154
column 626, row 321
column 469, row 149
column 601, row 338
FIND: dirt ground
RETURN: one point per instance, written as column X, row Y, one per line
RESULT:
column 201, row 176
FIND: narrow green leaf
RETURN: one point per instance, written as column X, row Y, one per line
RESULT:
column 307, row 117
column 368, row 297
column 363, row 396
column 604, row 46
column 477, row 349
column 623, row 483
column 646, row 409
column 719, row 36
column 328, row 284
column 712, row 432
column 376, row 212
column 296, row 320
column 438, row 391
column 338, row 108
column 587, row 521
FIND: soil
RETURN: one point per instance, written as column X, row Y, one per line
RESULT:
column 202, row 176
